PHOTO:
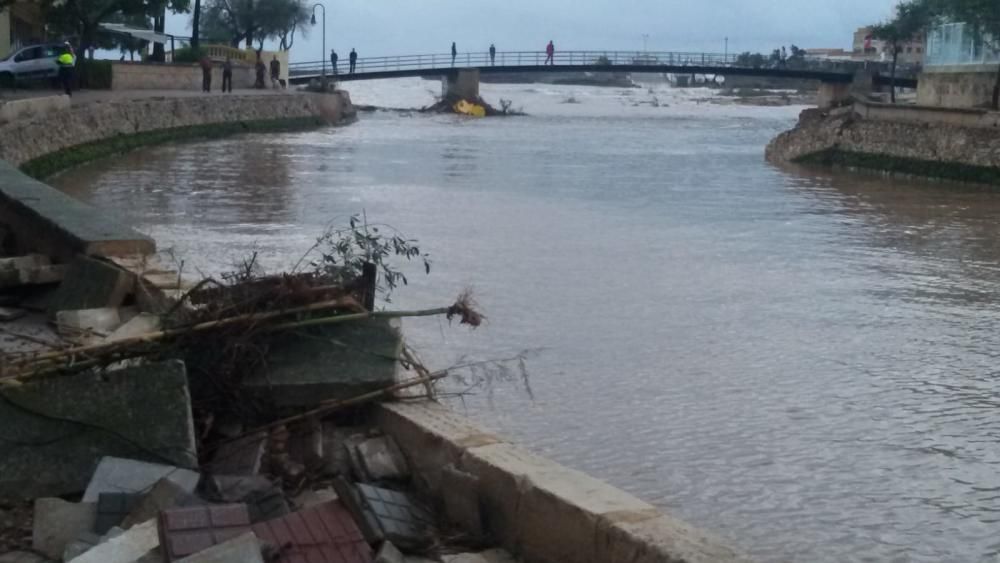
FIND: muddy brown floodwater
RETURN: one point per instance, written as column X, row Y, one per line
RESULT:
column 803, row 362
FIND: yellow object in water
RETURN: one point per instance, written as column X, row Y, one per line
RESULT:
column 467, row 108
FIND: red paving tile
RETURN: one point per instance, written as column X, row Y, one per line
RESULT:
column 325, row 533
column 185, row 531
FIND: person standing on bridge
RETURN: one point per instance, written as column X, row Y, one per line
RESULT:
column 206, row 73
column 550, row 51
column 493, row 54
column 275, row 73
column 353, row 59
column 454, row 53
column 227, row 76
column 67, row 62
column 333, row 60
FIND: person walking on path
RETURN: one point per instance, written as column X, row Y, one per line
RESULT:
column 275, row 73
column 67, row 63
column 259, row 70
column 454, row 53
column 227, row 76
column 493, row 54
column 333, row 60
column 206, row 73
column 353, row 59
column 550, row 51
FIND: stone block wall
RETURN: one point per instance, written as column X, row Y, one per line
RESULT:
column 27, row 139
column 32, row 107
column 539, row 510
column 152, row 76
column 956, row 87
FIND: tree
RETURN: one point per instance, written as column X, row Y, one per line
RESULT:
column 983, row 17
column 909, row 21
column 255, row 21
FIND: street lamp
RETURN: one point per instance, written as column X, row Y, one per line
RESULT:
column 313, row 21
column 725, row 58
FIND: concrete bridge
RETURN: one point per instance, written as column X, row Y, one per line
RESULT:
column 462, row 71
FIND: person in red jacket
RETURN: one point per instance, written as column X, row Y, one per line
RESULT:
column 550, row 50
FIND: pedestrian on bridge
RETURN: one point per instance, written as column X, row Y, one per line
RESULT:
column 67, row 62
column 353, row 59
column 493, row 54
column 333, row 60
column 227, row 75
column 206, row 73
column 454, row 53
column 275, row 73
column 550, row 51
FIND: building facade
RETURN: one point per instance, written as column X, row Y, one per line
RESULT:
column 865, row 47
column 20, row 24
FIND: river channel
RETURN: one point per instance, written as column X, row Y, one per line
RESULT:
column 803, row 362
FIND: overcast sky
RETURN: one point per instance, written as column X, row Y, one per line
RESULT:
column 389, row 27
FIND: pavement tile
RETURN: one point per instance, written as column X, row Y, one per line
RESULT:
column 186, row 531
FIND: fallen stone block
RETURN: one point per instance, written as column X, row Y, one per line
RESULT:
column 242, row 457
column 189, row 530
column 126, row 548
column 8, row 314
column 235, row 488
column 313, row 534
column 241, row 549
column 22, row 557
column 332, row 362
column 305, row 445
column 102, row 321
column 11, row 268
column 266, row 504
column 389, row 553
column 91, row 283
column 460, row 492
column 400, row 517
column 112, row 508
column 310, row 498
column 382, row 459
column 81, row 544
column 165, row 494
column 56, row 523
column 44, row 275
column 489, row 556
column 357, row 467
column 126, row 475
column 143, row 323
column 54, row 429
column 335, row 456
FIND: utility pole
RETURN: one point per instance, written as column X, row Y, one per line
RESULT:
column 645, row 43
column 725, row 60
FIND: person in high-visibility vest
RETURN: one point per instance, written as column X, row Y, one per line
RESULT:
column 67, row 63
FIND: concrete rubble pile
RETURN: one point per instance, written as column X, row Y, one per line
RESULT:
column 119, row 448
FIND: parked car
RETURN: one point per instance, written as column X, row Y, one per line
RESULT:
column 31, row 62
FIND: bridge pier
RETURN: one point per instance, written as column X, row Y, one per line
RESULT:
column 833, row 94
column 463, row 83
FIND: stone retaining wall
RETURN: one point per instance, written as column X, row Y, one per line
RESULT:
column 920, row 141
column 31, row 107
column 956, row 87
column 27, row 139
column 144, row 76
column 536, row 508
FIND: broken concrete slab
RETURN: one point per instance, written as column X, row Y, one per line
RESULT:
column 189, row 530
column 310, row 498
column 357, row 467
column 315, row 533
column 112, row 508
column 266, row 504
column 104, row 320
column 460, row 491
column 91, row 283
column 488, row 556
column 241, row 549
column 235, row 488
column 57, row 522
column 56, row 428
column 8, row 314
column 126, row 548
column 164, row 494
column 80, row 545
column 22, row 557
column 335, row 456
column 382, row 459
column 143, row 323
column 127, row 475
column 44, row 275
column 242, row 457
column 33, row 269
column 402, row 519
column 335, row 361
column 389, row 553
column 305, row 445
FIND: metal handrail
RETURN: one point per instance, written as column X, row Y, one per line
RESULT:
column 438, row 61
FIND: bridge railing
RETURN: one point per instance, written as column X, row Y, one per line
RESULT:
column 514, row 58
